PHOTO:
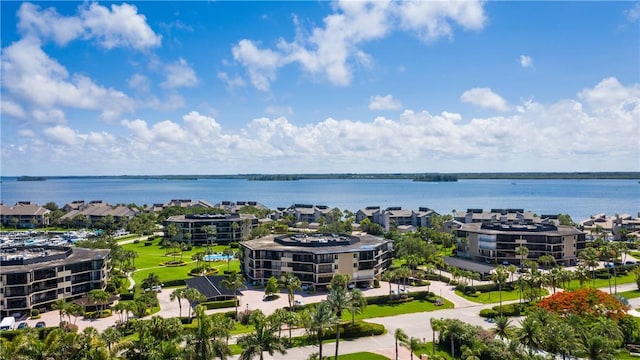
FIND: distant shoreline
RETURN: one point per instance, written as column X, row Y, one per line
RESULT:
column 373, row 176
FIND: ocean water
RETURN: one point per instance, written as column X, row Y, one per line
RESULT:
column 579, row 198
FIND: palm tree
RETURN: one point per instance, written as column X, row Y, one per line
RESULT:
column 503, row 327
column 388, row 276
column 211, row 231
column 401, row 338
column 500, row 277
column 590, row 257
column 150, row 281
column 234, row 228
column 357, row 304
column 202, row 341
column 317, row 320
column 194, row 296
column 450, row 329
column 234, row 282
column 98, row 296
column 229, row 253
column 291, row 283
column 523, row 251
column 110, row 336
column 261, row 340
column 339, row 299
column 178, row 294
column 581, row 274
column 530, row 334
column 63, row 308
column 413, row 345
column 436, row 325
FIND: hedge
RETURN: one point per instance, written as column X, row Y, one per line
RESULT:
column 219, row 304
column 172, row 283
column 358, row 329
column 126, row 296
column 437, row 277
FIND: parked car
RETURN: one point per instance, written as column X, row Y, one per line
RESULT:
column 22, row 325
column 629, row 262
column 298, row 302
column 40, row 324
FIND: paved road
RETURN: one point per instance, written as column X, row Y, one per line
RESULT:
column 416, row 324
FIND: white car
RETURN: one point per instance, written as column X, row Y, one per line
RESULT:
column 298, row 302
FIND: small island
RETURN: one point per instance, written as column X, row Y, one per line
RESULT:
column 31, row 178
column 274, row 178
column 436, row 178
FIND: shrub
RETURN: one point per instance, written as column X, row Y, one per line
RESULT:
column 234, row 245
column 35, row 313
column 172, row 283
column 400, row 300
column 148, row 244
column 508, row 310
column 376, row 283
column 358, row 329
column 126, row 296
column 219, row 304
column 488, row 313
column 136, row 241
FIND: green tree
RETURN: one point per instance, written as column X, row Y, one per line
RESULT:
column 193, row 296
column 339, row 299
column 503, row 327
column 523, row 252
column 317, row 319
column 291, row 283
column 178, row 294
column 357, row 304
column 234, row 282
column 261, row 340
column 229, row 253
column 63, row 308
column 150, row 281
column 272, row 287
column 500, row 277
column 401, row 338
column 98, row 297
column 211, row 232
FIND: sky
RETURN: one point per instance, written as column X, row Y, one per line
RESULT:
column 154, row 88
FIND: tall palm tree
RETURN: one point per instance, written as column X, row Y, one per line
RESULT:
column 503, row 327
column 590, row 257
column 193, row 296
column 211, row 232
column 291, row 283
column 261, row 340
column 234, row 282
column 530, row 334
column 523, row 251
column 63, row 308
column 110, row 336
column 413, row 345
column 388, row 276
column 178, row 294
column 317, row 320
column 500, row 278
column 98, row 296
column 201, row 341
column 339, row 298
column 357, row 304
column 401, row 338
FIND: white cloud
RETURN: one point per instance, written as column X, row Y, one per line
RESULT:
column 231, row 82
column 526, row 61
column 610, row 91
column 139, row 82
column 486, row 98
column 553, row 136
column 62, row 134
column 179, row 74
column 120, row 26
column 432, row 19
column 261, row 64
column 633, row 14
column 26, row 67
column 279, row 110
column 386, row 102
column 334, row 49
column 55, row 116
column 10, row 108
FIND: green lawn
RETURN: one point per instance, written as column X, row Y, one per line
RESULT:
column 600, row 283
column 150, row 258
column 426, row 348
column 493, row 297
column 373, row 311
column 631, row 294
column 362, row 356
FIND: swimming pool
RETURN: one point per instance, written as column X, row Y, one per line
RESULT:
column 217, row 257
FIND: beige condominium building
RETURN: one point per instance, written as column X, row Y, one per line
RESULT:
column 34, row 277
column 496, row 243
column 315, row 258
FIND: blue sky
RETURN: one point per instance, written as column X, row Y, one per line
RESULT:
column 97, row 88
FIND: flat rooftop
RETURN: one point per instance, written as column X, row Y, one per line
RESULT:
column 316, row 243
column 47, row 257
